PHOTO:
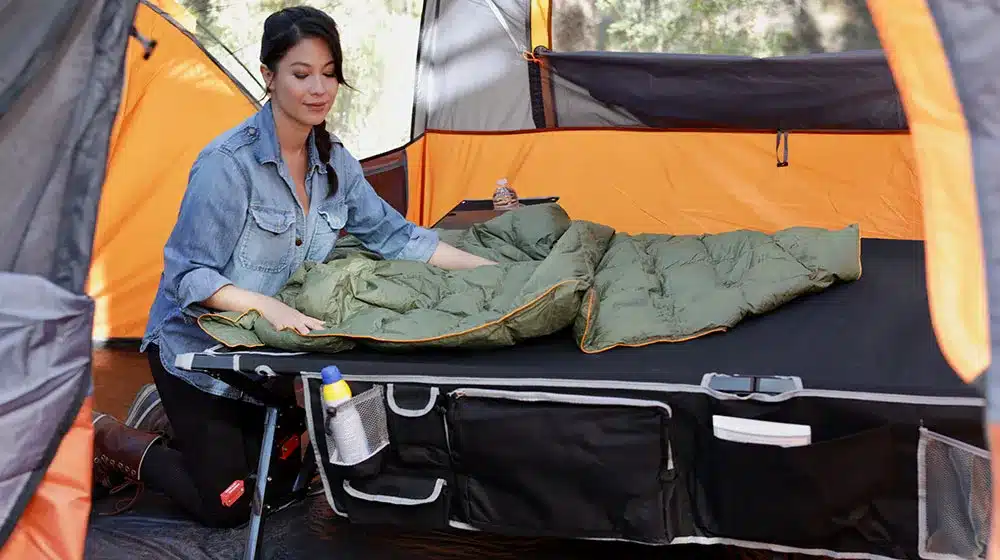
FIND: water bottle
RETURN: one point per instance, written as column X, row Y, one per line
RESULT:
column 504, row 197
column 343, row 421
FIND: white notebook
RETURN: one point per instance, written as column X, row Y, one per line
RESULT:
column 745, row 430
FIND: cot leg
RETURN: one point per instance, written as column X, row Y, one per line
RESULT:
column 255, row 536
column 306, row 472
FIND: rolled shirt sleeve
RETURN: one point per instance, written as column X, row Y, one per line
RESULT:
column 378, row 225
column 212, row 214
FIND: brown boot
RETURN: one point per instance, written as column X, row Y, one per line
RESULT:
column 118, row 454
column 120, row 449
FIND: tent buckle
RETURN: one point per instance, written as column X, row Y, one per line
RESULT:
column 147, row 44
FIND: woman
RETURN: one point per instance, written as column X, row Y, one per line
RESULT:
column 262, row 198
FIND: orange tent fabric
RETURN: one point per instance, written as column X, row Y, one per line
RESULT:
column 179, row 88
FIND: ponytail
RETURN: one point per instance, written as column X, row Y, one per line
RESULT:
column 324, row 145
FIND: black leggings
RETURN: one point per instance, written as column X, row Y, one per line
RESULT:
column 216, row 442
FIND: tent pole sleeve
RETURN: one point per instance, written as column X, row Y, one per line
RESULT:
column 541, row 24
column 539, row 73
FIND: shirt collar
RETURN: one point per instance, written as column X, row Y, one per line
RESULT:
column 266, row 147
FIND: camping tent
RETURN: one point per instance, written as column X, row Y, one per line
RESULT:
column 97, row 132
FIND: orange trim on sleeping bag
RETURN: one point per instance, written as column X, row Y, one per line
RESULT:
column 506, row 317
column 590, row 300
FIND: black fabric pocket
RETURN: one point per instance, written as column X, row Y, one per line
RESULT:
column 399, row 500
column 561, row 465
column 416, row 425
column 790, row 495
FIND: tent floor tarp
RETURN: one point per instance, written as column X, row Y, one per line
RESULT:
column 154, row 529
column 543, row 440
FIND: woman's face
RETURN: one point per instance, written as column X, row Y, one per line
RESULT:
column 304, row 86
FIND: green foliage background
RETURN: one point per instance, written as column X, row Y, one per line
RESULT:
column 380, row 43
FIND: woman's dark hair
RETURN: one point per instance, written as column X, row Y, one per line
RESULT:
column 282, row 31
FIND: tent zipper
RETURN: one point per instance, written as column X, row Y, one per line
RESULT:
column 782, row 139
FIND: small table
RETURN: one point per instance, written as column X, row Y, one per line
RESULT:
column 478, row 210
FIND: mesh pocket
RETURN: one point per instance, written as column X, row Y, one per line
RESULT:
column 357, row 429
column 955, row 498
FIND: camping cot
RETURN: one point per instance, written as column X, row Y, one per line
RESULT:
column 111, row 100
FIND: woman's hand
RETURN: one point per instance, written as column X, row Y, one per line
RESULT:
column 284, row 317
column 281, row 316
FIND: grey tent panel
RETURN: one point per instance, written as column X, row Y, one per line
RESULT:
column 59, row 106
column 29, row 35
column 471, row 72
column 45, row 351
column 968, row 32
column 575, row 106
column 54, row 144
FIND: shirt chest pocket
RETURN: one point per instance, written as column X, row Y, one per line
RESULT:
column 268, row 241
column 332, row 219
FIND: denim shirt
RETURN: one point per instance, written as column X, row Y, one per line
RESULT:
column 240, row 223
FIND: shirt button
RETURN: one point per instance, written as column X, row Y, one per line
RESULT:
column 298, row 241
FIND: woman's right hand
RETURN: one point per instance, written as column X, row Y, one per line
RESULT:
column 281, row 316
column 284, row 317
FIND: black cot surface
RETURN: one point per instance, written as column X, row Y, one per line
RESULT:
column 873, row 335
